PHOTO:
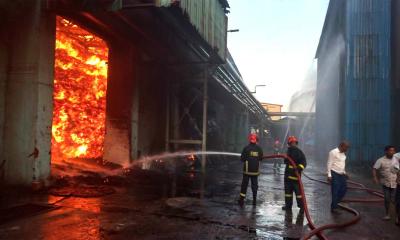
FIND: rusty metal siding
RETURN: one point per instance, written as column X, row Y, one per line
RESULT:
column 367, row 118
column 209, row 19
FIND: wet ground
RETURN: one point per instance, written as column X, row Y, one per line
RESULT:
column 147, row 204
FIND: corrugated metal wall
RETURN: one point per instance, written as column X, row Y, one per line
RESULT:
column 395, row 52
column 367, row 118
column 208, row 17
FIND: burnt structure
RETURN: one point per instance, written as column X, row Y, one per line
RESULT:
column 171, row 83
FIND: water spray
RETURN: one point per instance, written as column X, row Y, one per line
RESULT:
column 145, row 159
column 315, row 231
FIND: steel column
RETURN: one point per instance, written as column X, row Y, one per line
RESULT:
column 168, row 114
column 205, row 108
column 135, row 122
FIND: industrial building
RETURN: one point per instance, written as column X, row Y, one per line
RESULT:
column 114, row 80
column 358, row 81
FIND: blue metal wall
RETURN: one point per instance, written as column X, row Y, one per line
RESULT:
column 367, row 100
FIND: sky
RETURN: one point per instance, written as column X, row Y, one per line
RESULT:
column 276, row 43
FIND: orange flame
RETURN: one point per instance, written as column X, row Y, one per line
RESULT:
column 80, row 86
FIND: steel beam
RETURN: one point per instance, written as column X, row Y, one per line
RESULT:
column 186, row 141
column 292, row 114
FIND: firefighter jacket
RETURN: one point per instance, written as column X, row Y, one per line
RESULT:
column 252, row 154
column 299, row 158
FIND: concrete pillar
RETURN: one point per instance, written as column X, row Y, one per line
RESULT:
column 3, row 78
column 135, row 119
column 167, row 115
column 29, row 91
column 246, row 125
column 230, row 134
column 152, row 91
column 120, row 87
column 240, row 132
column 236, row 131
column 175, row 114
column 243, row 129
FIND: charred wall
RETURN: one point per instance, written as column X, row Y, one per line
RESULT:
column 122, row 81
column 3, row 78
column 28, row 88
column 152, row 105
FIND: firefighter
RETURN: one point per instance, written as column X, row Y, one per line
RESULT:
column 251, row 156
column 291, row 180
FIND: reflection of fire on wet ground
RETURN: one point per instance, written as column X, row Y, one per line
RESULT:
column 81, row 178
column 83, row 166
column 82, row 191
column 167, row 174
column 95, row 178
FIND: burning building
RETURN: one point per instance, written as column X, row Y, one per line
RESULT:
column 90, row 82
column 80, row 86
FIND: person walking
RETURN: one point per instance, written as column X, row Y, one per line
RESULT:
column 383, row 173
column 277, row 161
column 251, row 157
column 337, row 175
column 291, row 181
column 396, row 169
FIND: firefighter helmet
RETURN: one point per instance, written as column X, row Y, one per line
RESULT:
column 253, row 138
column 292, row 139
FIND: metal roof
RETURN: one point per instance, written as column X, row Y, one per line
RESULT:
column 229, row 77
column 224, row 3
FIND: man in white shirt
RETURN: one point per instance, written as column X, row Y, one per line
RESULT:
column 396, row 168
column 387, row 177
column 337, row 174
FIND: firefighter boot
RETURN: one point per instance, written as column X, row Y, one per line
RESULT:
column 254, row 199
column 241, row 201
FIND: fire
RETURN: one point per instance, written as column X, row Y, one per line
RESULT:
column 80, row 86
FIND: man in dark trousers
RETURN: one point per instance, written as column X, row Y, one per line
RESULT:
column 383, row 174
column 251, row 157
column 337, row 176
column 291, row 180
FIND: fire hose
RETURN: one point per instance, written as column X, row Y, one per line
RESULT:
column 318, row 230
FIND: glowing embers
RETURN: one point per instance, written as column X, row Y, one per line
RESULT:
column 80, row 86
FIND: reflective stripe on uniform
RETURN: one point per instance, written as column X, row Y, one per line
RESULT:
column 289, row 195
column 242, row 195
column 293, row 178
column 299, row 196
column 252, row 173
column 247, row 167
column 254, row 154
column 290, row 166
column 301, row 166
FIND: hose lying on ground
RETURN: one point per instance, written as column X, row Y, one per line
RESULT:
column 359, row 187
column 318, row 230
column 307, row 213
